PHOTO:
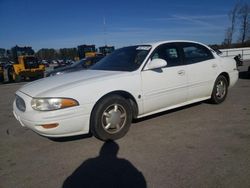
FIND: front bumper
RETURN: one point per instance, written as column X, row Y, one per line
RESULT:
column 71, row 121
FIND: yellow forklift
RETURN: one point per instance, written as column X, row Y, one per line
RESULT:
column 26, row 67
column 86, row 51
column 23, row 65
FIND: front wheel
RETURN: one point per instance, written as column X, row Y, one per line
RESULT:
column 220, row 90
column 111, row 118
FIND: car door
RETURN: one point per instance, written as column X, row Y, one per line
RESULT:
column 167, row 86
column 201, row 70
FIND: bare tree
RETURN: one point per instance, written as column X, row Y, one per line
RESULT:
column 228, row 37
column 248, row 34
column 232, row 16
column 244, row 16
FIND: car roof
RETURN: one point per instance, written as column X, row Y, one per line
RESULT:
column 154, row 44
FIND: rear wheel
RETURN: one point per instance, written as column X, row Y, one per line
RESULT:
column 220, row 90
column 111, row 118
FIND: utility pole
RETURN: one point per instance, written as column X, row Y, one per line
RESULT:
column 104, row 31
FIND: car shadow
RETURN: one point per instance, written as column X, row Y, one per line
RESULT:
column 106, row 170
column 70, row 138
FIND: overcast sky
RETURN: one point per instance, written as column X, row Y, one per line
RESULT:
column 68, row 23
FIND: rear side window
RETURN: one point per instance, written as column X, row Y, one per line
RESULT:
column 195, row 53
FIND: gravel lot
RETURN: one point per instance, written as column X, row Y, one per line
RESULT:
column 201, row 145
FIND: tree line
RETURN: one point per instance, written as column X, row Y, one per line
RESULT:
column 238, row 32
column 51, row 54
column 42, row 54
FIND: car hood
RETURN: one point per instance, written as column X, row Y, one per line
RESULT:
column 64, row 70
column 56, row 84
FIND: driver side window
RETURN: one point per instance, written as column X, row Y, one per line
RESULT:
column 169, row 53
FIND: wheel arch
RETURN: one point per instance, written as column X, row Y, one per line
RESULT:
column 123, row 94
column 226, row 75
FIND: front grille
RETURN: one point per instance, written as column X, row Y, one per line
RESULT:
column 20, row 104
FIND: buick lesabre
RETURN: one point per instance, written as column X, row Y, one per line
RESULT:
column 132, row 82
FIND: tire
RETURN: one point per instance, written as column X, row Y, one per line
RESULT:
column 1, row 78
column 111, row 118
column 220, row 90
column 10, row 74
column 18, row 78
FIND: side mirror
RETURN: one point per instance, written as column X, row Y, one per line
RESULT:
column 156, row 64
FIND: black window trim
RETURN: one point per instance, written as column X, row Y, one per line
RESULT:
column 181, row 46
column 174, row 44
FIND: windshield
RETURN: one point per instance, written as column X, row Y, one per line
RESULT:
column 123, row 59
column 87, row 62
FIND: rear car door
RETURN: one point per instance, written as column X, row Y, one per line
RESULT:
column 201, row 70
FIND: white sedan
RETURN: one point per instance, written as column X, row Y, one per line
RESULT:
column 132, row 82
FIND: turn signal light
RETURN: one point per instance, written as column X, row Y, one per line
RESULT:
column 50, row 126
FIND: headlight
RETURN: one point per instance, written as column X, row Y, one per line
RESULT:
column 48, row 104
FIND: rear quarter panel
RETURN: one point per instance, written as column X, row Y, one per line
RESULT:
column 228, row 65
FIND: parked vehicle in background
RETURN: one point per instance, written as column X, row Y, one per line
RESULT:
column 26, row 67
column 86, row 51
column 45, row 63
column 132, row 82
column 79, row 65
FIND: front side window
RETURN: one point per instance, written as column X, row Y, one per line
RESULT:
column 169, row 53
column 195, row 53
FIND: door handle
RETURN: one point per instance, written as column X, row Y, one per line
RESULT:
column 181, row 72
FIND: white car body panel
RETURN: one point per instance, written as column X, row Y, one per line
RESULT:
column 86, row 101
column 201, row 78
column 153, row 91
column 165, row 88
